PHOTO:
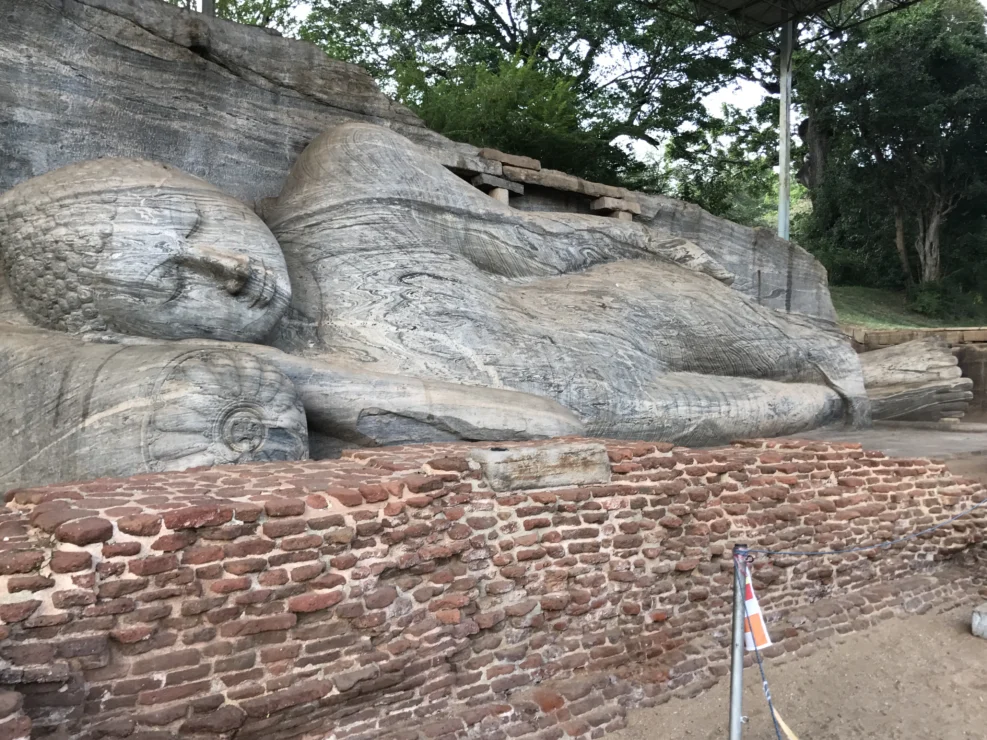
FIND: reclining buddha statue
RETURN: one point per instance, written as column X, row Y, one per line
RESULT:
column 150, row 322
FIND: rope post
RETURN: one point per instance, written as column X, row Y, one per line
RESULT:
column 737, row 646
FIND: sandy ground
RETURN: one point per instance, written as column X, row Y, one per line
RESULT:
column 918, row 678
column 975, row 467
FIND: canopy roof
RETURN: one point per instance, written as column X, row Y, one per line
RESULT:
column 744, row 18
column 763, row 15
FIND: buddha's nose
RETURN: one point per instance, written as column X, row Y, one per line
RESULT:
column 232, row 269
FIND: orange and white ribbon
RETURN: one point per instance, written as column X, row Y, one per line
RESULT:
column 755, row 631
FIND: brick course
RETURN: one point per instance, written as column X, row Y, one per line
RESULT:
column 392, row 594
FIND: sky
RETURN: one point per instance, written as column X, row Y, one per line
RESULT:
column 743, row 94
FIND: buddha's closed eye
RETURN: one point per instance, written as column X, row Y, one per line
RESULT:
column 232, row 270
column 239, row 275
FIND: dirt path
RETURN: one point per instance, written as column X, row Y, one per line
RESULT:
column 973, row 466
column 918, row 678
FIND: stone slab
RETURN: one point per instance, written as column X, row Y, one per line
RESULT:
column 464, row 163
column 607, row 203
column 515, row 160
column 488, row 182
column 547, row 466
column 897, row 440
column 876, row 339
column 562, row 181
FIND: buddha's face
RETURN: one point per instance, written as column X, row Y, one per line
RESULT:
column 141, row 249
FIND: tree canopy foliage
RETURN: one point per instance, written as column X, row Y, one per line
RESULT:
column 276, row 14
column 624, row 70
column 903, row 104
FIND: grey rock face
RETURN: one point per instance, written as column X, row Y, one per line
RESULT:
column 124, row 254
column 75, row 410
column 400, row 267
column 422, row 310
column 122, row 247
column 771, row 271
column 83, row 79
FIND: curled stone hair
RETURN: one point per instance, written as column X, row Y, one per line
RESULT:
column 49, row 254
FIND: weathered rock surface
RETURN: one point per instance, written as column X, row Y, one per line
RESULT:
column 83, row 79
column 423, row 310
column 772, row 271
column 125, row 254
column 74, row 410
column 546, row 466
column 143, row 249
column 916, row 381
column 400, row 267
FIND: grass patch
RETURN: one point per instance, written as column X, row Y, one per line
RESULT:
column 873, row 308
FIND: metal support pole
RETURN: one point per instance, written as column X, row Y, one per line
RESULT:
column 209, row 7
column 785, row 130
column 737, row 646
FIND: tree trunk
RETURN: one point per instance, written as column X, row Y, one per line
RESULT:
column 899, row 242
column 816, row 140
column 927, row 241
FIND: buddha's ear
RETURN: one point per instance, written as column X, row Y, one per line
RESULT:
column 691, row 256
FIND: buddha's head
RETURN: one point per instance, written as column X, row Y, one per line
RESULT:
column 140, row 248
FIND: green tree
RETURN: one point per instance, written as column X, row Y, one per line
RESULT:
column 277, row 14
column 519, row 109
column 626, row 69
column 728, row 166
column 901, row 104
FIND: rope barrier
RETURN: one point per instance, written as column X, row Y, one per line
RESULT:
column 878, row 546
column 745, row 555
column 741, row 563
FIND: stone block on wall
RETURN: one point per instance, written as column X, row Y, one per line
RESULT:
column 973, row 363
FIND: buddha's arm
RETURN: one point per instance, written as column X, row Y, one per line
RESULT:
column 359, row 406
column 377, row 408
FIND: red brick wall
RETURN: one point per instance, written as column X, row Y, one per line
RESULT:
column 392, row 594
